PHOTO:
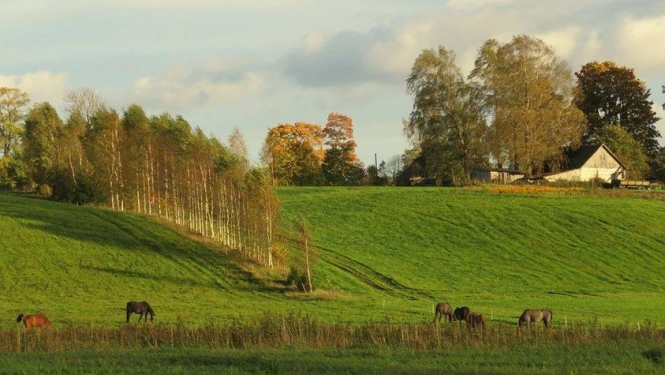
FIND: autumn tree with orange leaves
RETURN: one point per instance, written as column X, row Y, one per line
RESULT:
column 340, row 162
column 294, row 153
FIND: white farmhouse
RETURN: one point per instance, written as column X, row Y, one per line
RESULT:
column 591, row 162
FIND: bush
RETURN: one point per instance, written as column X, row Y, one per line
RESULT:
column 297, row 279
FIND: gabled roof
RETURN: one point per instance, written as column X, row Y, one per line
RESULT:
column 579, row 157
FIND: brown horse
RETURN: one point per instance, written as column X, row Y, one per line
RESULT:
column 475, row 320
column 461, row 314
column 142, row 308
column 36, row 320
column 532, row 316
column 443, row 308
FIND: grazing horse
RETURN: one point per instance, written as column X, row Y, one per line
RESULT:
column 443, row 308
column 475, row 320
column 36, row 320
column 532, row 316
column 142, row 308
column 461, row 314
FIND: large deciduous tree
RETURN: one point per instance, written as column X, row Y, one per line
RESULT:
column 339, row 164
column 447, row 117
column 612, row 95
column 294, row 153
column 42, row 143
column 84, row 101
column 529, row 94
column 13, row 103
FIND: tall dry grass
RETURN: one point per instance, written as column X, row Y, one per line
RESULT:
column 304, row 332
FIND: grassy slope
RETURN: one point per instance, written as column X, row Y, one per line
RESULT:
column 81, row 265
column 385, row 253
column 586, row 257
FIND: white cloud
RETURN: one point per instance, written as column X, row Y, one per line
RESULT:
column 40, row 86
column 564, row 41
column 395, row 55
column 314, row 41
column 201, row 85
column 641, row 41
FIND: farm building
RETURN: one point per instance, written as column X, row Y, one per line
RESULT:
column 496, row 175
column 590, row 162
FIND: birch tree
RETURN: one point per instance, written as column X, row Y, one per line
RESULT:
column 529, row 94
column 447, row 116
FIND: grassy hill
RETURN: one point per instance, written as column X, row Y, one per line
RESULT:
column 384, row 253
column 587, row 257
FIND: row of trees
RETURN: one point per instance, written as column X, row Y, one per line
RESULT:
column 521, row 108
column 127, row 161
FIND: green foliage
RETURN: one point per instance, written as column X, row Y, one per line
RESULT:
column 41, row 144
column 13, row 103
column 447, row 117
column 297, row 278
column 612, row 95
column 625, row 147
column 528, row 93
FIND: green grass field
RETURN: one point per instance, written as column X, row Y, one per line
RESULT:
column 585, row 256
column 383, row 255
column 584, row 359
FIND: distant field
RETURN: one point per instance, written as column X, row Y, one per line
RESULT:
column 385, row 254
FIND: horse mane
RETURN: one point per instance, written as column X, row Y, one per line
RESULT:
column 20, row 318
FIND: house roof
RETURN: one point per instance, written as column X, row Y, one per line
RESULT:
column 579, row 157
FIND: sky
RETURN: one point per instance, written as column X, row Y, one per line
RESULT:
column 253, row 64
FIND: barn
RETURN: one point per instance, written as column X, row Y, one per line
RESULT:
column 588, row 163
column 496, row 175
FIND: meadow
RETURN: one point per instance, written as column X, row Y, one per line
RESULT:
column 384, row 258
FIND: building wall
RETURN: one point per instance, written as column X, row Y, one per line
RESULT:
column 497, row 177
column 602, row 160
column 588, row 174
column 600, row 165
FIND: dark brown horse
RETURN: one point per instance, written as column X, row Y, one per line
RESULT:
column 443, row 308
column 142, row 308
column 475, row 320
column 533, row 316
column 36, row 320
column 461, row 314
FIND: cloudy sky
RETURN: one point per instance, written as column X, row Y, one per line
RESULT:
column 253, row 64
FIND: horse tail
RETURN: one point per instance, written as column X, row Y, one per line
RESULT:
column 129, row 310
column 19, row 319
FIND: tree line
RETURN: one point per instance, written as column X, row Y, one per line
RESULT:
column 521, row 108
column 155, row 165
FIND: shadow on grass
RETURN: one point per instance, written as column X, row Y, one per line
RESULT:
column 135, row 234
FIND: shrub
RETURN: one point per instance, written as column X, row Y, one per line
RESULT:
column 297, row 279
